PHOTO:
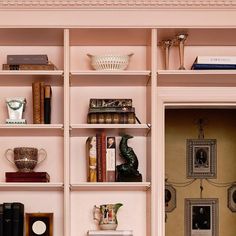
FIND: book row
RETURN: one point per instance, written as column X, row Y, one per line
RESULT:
column 101, row 158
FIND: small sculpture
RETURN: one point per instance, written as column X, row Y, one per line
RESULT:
column 128, row 171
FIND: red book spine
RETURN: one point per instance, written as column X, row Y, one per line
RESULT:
column 103, row 156
column 99, row 157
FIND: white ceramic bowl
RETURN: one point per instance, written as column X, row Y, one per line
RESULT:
column 110, row 61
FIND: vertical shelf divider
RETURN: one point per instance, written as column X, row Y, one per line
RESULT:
column 155, row 227
column 159, row 158
column 66, row 133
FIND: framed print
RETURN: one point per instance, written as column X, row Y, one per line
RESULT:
column 232, row 198
column 201, row 158
column 39, row 224
column 201, row 217
column 170, row 198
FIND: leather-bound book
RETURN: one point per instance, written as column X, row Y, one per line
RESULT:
column 47, row 104
column 91, row 159
column 27, row 177
column 17, row 219
column 111, row 159
column 7, row 219
column 1, row 219
column 103, row 156
column 36, row 102
column 42, row 102
column 99, row 157
column 28, row 67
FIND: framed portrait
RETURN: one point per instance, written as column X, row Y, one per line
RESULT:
column 201, row 217
column 39, row 224
column 232, row 198
column 201, row 158
column 170, row 198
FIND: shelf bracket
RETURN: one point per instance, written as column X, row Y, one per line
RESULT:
column 70, row 79
column 149, row 129
column 149, row 78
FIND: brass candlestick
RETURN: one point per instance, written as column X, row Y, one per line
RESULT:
column 166, row 45
column 181, row 39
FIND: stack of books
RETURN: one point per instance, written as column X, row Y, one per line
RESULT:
column 28, row 62
column 111, row 111
column 214, row 63
column 42, row 95
column 101, row 158
column 12, row 219
column 27, row 177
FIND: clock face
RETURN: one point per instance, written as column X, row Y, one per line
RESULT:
column 39, row 227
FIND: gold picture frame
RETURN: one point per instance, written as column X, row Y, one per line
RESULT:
column 39, row 224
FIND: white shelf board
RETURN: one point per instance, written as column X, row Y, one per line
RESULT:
column 31, row 129
column 26, row 186
column 111, row 186
column 112, row 129
column 112, row 72
column 196, row 72
column 213, row 78
column 31, row 72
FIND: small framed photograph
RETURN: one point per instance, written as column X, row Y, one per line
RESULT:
column 201, row 217
column 170, row 198
column 201, row 158
column 232, row 198
column 39, row 224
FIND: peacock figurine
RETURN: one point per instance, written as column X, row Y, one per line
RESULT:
column 128, row 171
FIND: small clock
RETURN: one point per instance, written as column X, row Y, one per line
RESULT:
column 39, row 224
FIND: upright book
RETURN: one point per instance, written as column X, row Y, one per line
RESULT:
column 17, row 219
column 7, row 219
column 91, row 159
column 1, row 219
column 111, row 159
column 47, row 104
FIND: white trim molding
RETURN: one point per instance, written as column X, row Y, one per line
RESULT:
column 80, row 4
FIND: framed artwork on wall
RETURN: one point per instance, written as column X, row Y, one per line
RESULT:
column 201, row 158
column 39, row 224
column 232, row 198
column 201, row 217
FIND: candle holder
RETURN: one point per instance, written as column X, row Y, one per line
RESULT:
column 181, row 39
column 166, row 45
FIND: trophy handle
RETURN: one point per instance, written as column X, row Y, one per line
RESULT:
column 95, row 209
column 7, row 153
column 43, row 154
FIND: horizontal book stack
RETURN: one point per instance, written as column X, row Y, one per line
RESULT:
column 101, row 158
column 42, row 95
column 28, row 62
column 27, row 177
column 12, row 219
column 111, row 111
column 214, row 63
